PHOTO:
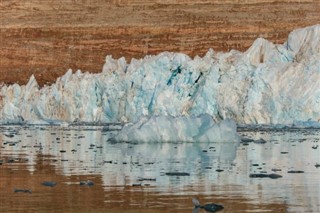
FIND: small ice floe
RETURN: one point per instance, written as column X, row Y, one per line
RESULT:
column 295, row 171
column 177, row 174
column 146, row 179
column 249, row 140
column 246, row 140
column 86, row 182
column 49, row 183
column 211, row 207
column 22, row 191
column 9, row 135
column 272, row 176
column 260, row 141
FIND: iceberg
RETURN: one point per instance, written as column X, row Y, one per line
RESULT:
column 179, row 129
column 267, row 84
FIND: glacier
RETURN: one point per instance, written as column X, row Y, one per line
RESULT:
column 267, row 84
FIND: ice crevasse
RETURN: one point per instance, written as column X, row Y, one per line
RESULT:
column 267, row 84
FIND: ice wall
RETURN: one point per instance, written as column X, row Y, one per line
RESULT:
column 267, row 84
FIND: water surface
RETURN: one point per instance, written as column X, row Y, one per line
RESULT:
column 132, row 177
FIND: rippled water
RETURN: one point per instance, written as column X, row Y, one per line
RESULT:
column 133, row 177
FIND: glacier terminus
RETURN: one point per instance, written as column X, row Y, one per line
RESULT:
column 267, row 84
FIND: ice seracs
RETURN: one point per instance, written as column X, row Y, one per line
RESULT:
column 267, row 84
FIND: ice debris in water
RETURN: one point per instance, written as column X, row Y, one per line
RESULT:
column 179, row 129
column 267, row 84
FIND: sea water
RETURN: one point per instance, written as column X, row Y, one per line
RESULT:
column 156, row 177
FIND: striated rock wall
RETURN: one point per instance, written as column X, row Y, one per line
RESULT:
column 47, row 37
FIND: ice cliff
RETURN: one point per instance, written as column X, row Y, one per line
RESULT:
column 267, row 84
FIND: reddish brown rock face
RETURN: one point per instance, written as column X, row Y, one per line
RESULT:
column 46, row 38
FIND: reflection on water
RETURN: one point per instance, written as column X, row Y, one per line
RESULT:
column 132, row 177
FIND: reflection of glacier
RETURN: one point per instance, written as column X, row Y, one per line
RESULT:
column 266, row 84
column 88, row 151
column 285, row 150
column 121, row 164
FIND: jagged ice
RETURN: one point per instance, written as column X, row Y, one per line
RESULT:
column 267, row 84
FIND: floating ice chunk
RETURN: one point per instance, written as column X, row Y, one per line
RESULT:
column 179, row 129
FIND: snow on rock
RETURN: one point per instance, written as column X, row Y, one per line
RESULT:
column 179, row 129
column 267, row 84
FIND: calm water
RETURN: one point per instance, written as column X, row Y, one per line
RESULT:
column 132, row 177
